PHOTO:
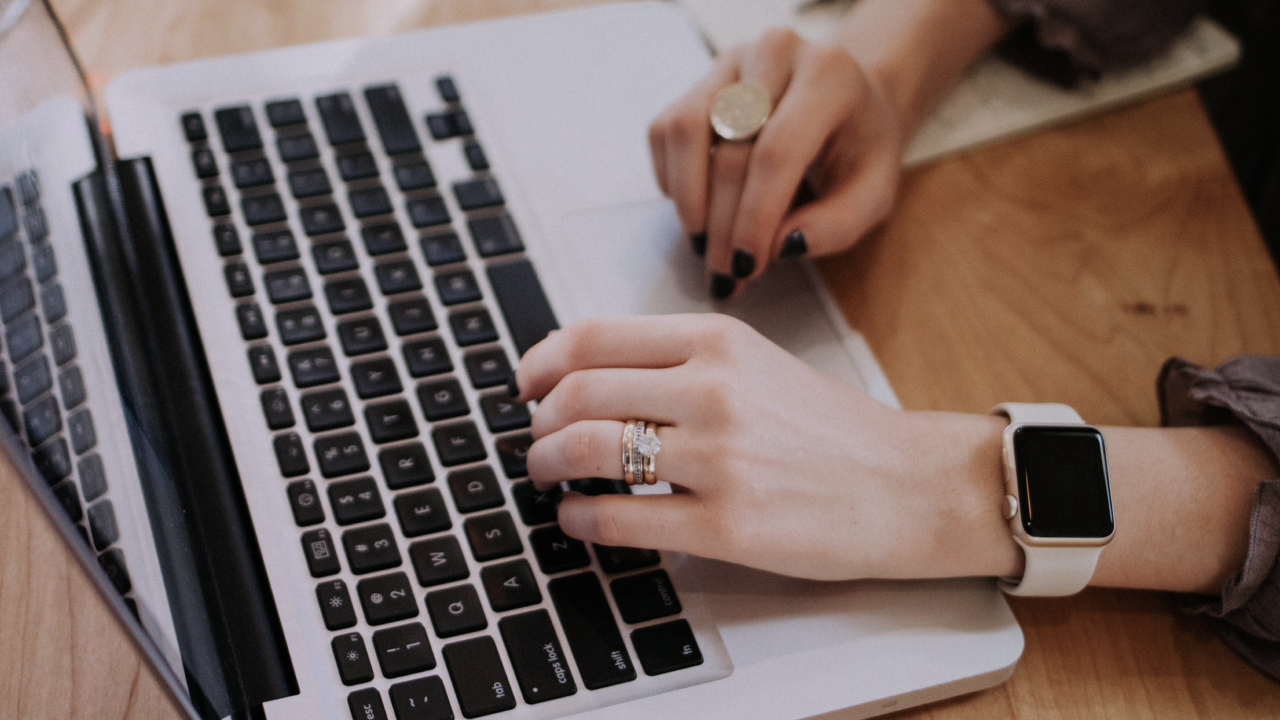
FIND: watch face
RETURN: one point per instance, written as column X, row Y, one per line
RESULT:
column 1062, row 482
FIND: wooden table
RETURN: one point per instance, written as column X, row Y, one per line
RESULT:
column 1065, row 266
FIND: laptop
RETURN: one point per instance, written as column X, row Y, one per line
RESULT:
column 255, row 345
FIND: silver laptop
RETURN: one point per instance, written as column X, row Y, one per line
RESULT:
column 255, row 348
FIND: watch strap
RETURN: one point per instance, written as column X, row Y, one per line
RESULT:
column 1038, row 413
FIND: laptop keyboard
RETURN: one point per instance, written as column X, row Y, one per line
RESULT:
column 44, row 397
column 361, row 332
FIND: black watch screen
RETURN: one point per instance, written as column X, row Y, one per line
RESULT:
column 1063, row 491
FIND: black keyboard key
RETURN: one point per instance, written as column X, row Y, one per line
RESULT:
column 238, row 128
column 338, row 115
column 536, row 508
column 276, row 408
column 341, row 455
column 36, row 224
column 524, row 304
column 252, row 325
column 375, row 378
column 443, row 249
column 355, row 501
column 353, row 659
column 411, row 316
column 557, row 552
column 239, row 281
column 475, row 489
column 53, row 303
column 392, row 119
column 93, row 477
column 300, row 325
column 16, row 297
column 252, row 173
column 645, row 596
column 458, row 444
column 369, row 202
column 285, row 112
column 397, row 277
column 403, row 650
column 327, row 410
column 501, row 413
column 204, row 164
column 493, row 536
column 287, row 285
column 477, row 194
column 227, row 239
column 456, row 287
column 274, row 247
column 487, row 368
column 23, row 337
column 438, row 561
column 537, row 656
column 512, row 452
column 427, row 357
column 348, row 296
column 81, row 431
column 387, row 599
column 102, row 525
column 313, row 367
column 448, row 89
column 62, row 341
column 591, row 631
column 615, row 560
column 422, row 512
column 12, row 257
column 405, row 466
column 495, row 235
column 361, row 336
column 53, row 461
column 8, row 214
column 112, row 562
column 456, row 611
column 475, row 156
column 370, row 549
column 290, row 455
column 592, row 487
column 322, row 220
column 442, row 400
column 193, row 127
column 366, row 704
column 304, row 501
column 510, row 585
column 390, row 421
column 71, row 383
column 667, row 647
column 461, row 122
column 383, row 239
column 421, row 699
column 357, row 167
column 335, row 605
column 297, row 147
column 42, row 419
column 322, row 555
column 415, row 176
column 262, row 360
column 441, row 126
column 478, row 678
column 263, row 209
column 472, row 327
column 70, row 501
column 309, row 183
column 332, row 257
column 425, row 212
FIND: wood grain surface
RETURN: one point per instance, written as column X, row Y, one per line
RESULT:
column 1064, row 266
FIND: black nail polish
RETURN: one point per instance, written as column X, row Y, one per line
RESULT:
column 794, row 246
column 699, row 242
column 513, row 388
column 744, row 263
column 722, row 286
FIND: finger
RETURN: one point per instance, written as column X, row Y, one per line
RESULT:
column 658, row 152
column 728, row 169
column 593, row 449
column 612, row 394
column 842, row 216
column 658, row 522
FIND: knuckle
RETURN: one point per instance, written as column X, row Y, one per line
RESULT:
column 685, row 127
column 769, row 156
column 610, row 527
column 778, row 41
column 582, row 450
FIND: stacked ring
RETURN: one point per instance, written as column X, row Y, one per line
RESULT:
column 640, row 445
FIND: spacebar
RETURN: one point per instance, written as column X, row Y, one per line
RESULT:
column 524, row 304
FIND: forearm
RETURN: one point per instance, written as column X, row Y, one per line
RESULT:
column 916, row 49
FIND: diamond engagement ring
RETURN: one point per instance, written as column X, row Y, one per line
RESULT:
column 740, row 110
column 640, row 446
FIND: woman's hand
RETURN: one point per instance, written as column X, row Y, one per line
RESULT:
column 831, row 126
column 774, row 465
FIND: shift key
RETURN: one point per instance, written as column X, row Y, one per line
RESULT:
column 591, row 631
column 536, row 656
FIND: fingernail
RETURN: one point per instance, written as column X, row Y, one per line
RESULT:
column 513, row 388
column 794, row 246
column 744, row 263
column 722, row 286
column 699, row 242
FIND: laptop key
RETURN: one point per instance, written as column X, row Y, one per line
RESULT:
column 276, row 408
column 358, row 166
column 387, row 599
column 477, row 194
column 102, row 525
column 304, row 501
column 422, row 512
column 456, row 611
column 375, row 378
column 12, row 257
column 523, row 302
column 322, row 220
column 23, row 337
column 473, row 327
column 383, row 239
column 42, row 419
column 263, row 209
column 512, row 451
column 93, row 477
column 475, row 156
column 53, row 461
column 70, row 500
column 428, row 211
column 204, row 164
column 348, row 296
column 493, row 536
column 8, row 213
column 80, row 429
column 645, row 596
column 274, row 247
column 193, row 127
column 537, row 656
column 335, row 605
column 28, row 183
column 438, row 561
column 361, row 336
column 427, row 357
column 557, row 552
column 510, row 585
column 448, row 89
column 322, row 557
column 338, row 115
column 666, row 648
column 442, row 400
column 252, row 325
column 458, row 444
column 370, row 549
column 441, row 127
column 369, row 202
column 341, row 455
column 327, row 410
column 367, row 704
column 71, row 383
column 443, row 249
column 309, row 183
column 62, row 341
column 475, row 489
column 112, row 562
column 478, row 679
column 614, row 560
column 36, row 224
column 355, row 501
column 536, row 508
column 285, row 112
column 227, row 239
column 421, row 699
column 262, row 360
column 403, row 650
column 290, row 455
column 405, row 466
column 591, row 631
column 397, row 277
column 390, row 421
column 313, row 367
column 415, row 176
column 239, row 281
column 461, row 122
column 252, row 173
column 501, row 413
column 16, row 297
column 285, row 286
column 332, row 257
column 238, row 129
column 495, row 235
column 353, row 660
column 293, row 148
column 53, row 303
column 411, row 316
column 487, row 368
column 456, row 287
column 392, row 119
column 300, row 326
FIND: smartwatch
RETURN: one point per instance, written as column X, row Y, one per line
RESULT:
column 1058, row 501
